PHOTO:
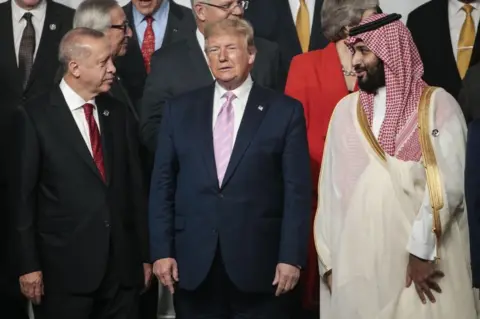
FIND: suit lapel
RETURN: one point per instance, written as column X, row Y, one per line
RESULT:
column 48, row 40
column 255, row 111
column 68, row 130
column 317, row 39
column 476, row 48
column 197, row 59
column 173, row 24
column 105, row 120
column 290, row 27
column 8, row 52
column 206, row 131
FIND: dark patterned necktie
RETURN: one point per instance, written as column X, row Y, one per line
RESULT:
column 27, row 49
column 95, row 140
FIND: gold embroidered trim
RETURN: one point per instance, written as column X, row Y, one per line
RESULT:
column 434, row 183
column 367, row 132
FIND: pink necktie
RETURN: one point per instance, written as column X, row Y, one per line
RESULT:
column 223, row 136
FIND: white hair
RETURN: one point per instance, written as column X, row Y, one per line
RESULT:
column 94, row 14
column 73, row 47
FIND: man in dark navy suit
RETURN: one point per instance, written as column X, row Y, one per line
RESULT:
column 230, row 192
column 472, row 196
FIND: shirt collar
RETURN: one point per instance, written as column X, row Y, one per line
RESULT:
column 382, row 92
column 38, row 12
column 74, row 101
column 241, row 92
column 138, row 18
column 455, row 6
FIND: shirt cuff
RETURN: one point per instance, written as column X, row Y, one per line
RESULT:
column 422, row 241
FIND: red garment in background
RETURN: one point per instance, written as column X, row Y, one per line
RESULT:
column 315, row 79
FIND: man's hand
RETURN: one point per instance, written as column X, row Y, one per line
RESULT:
column 424, row 275
column 286, row 278
column 31, row 286
column 147, row 275
column 166, row 271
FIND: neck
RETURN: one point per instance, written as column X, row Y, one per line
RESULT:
column 27, row 7
column 74, row 84
column 231, row 85
column 200, row 26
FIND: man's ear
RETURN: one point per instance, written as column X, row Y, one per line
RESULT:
column 252, row 53
column 199, row 11
column 74, row 69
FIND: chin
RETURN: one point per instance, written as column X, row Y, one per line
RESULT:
column 105, row 87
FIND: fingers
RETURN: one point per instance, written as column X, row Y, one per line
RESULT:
column 408, row 278
column 434, row 286
column 282, row 282
column 291, row 283
column 286, row 283
column 437, row 274
column 37, row 294
column 408, row 281
column 32, row 291
column 426, row 289
column 277, row 278
column 420, row 293
column 175, row 272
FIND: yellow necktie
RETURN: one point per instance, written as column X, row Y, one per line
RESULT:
column 466, row 41
column 303, row 26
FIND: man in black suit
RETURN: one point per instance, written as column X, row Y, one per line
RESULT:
column 295, row 26
column 439, row 24
column 230, row 196
column 182, row 66
column 28, row 62
column 79, row 197
column 167, row 22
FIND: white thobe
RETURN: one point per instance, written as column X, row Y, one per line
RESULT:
column 367, row 210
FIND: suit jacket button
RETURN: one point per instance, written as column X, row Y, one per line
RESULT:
column 220, row 195
column 214, row 231
column 107, row 224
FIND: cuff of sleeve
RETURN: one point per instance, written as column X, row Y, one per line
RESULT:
column 425, row 251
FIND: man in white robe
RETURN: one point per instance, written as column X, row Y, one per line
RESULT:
column 391, row 228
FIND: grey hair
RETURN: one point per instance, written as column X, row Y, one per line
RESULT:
column 336, row 15
column 73, row 47
column 232, row 26
column 94, row 14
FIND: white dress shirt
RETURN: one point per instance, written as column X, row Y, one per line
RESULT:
column 159, row 24
column 295, row 6
column 456, row 18
column 422, row 242
column 19, row 24
column 239, row 103
column 75, row 103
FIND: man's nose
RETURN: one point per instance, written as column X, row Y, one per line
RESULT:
column 129, row 32
column 238, row 11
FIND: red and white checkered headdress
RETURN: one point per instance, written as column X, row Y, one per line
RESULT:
column 393, row 44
